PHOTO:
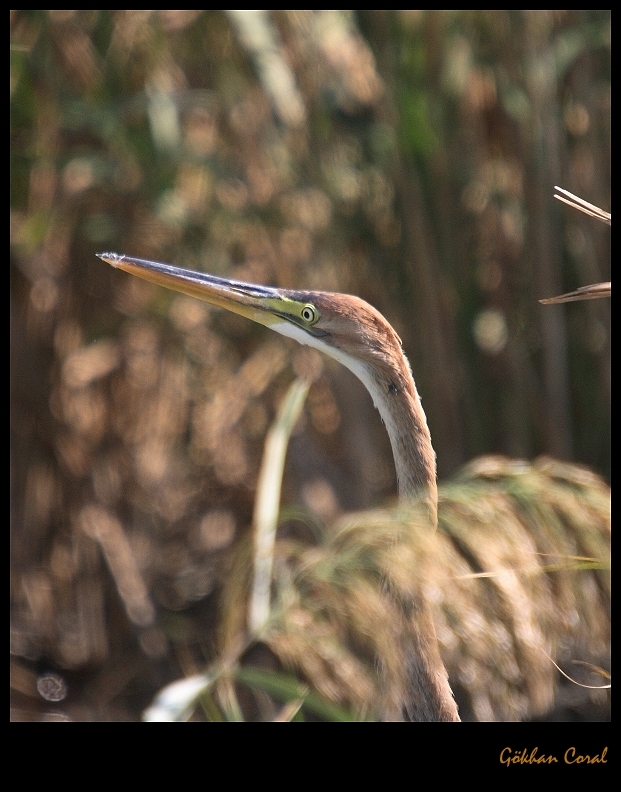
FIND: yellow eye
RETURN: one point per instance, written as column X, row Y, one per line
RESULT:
column 310, row 314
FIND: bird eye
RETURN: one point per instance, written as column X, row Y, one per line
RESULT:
column 310, row 314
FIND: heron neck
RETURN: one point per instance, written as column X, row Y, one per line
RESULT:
column 395, row 396
column 415, row 459
column 415, row 463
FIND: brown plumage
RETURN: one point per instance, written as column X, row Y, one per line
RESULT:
column 374, row 563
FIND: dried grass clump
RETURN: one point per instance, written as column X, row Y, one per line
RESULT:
column 517, row 574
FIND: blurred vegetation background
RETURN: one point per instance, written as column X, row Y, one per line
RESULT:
column 407, row 157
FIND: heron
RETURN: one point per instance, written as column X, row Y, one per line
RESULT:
column 354, row 333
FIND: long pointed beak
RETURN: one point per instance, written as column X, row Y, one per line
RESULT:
column 259, row 303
